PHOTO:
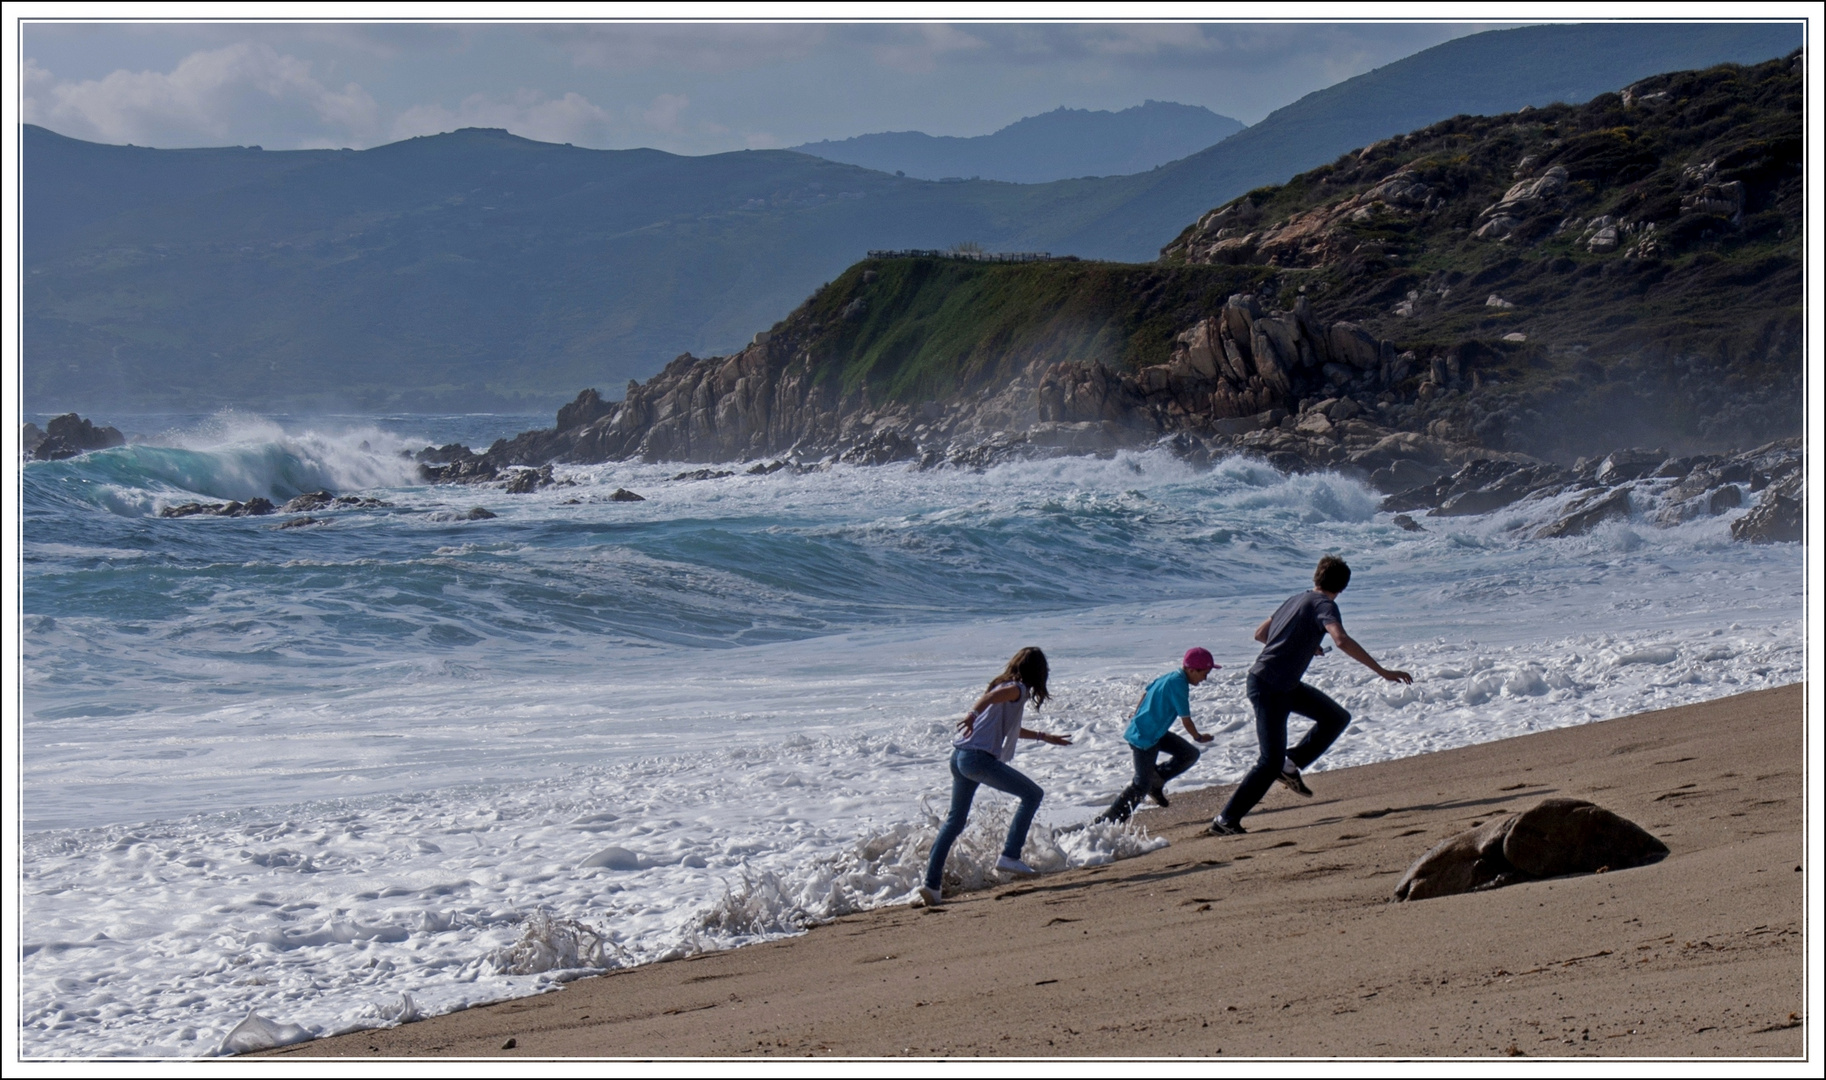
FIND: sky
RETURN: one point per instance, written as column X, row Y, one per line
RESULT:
column 684, row 87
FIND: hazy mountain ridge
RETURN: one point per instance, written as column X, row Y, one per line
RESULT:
column 477, row 270
column 1057, row 145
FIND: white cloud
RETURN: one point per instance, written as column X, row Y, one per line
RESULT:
column 693, row 46
column 199, row 98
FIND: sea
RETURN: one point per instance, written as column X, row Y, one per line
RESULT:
column 279, row 783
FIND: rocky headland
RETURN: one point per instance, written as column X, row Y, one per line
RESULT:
column 64, row 437
column 1490, row 310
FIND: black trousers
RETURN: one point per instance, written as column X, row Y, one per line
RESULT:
column 1151, row 773
column 1271, row 710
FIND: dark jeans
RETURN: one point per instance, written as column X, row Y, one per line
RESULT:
column 1149, row 773
column 969, row 770
column 1271, row 709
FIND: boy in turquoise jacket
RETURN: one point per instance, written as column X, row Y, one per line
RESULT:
column 1165, row 698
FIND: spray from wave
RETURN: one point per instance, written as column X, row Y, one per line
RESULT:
column 230, row 456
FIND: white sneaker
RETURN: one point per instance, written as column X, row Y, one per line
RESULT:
column 1015, row 866
column 930, row 897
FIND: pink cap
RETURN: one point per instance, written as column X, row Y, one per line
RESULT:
column 1199, row 659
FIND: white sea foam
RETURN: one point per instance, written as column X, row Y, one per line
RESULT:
column 382, row 778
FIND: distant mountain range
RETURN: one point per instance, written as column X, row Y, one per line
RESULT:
column 1057, row 145
column 478, row 270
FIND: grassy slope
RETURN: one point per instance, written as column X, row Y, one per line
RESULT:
column 933, row 327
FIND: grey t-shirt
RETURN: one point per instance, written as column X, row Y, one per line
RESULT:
column 1293, row 635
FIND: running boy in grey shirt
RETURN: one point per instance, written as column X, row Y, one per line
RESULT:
column 1291, row 638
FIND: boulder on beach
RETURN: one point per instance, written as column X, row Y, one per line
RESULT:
column 1555, row 838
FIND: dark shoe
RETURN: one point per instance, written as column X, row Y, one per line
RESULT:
column 1290, row 779
column 1220, row 827
column 1158, row 795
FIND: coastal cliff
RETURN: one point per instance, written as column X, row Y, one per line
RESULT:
column 1524, row 290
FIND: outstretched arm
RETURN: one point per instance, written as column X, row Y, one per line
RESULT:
column 1043, row 736
column 1348, row 645
column 993, row 697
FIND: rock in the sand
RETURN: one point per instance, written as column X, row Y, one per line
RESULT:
column 1471, row 860
column 1572, row 836
column 624, row 495
column 1555, row 838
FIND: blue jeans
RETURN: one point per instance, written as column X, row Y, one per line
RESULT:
column 969, row 770
column 1271, row 710
column 1150, row 773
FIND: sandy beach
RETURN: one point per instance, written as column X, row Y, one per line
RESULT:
column 1283, row 942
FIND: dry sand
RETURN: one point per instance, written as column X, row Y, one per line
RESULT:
column 1284, row 942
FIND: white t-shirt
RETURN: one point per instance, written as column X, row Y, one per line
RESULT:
column 998, row 728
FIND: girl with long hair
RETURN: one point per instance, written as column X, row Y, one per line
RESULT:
column 987, row 737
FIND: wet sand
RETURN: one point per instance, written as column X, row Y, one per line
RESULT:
column 1283, row 942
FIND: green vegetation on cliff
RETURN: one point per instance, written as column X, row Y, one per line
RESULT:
column 914, row 330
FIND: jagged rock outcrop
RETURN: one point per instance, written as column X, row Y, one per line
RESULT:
column 1780, row 515
column 1600, row 490
column 1627, row 268
column 66, row 436
column 254, row 507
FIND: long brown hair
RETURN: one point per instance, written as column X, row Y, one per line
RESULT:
column 1028, row 668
